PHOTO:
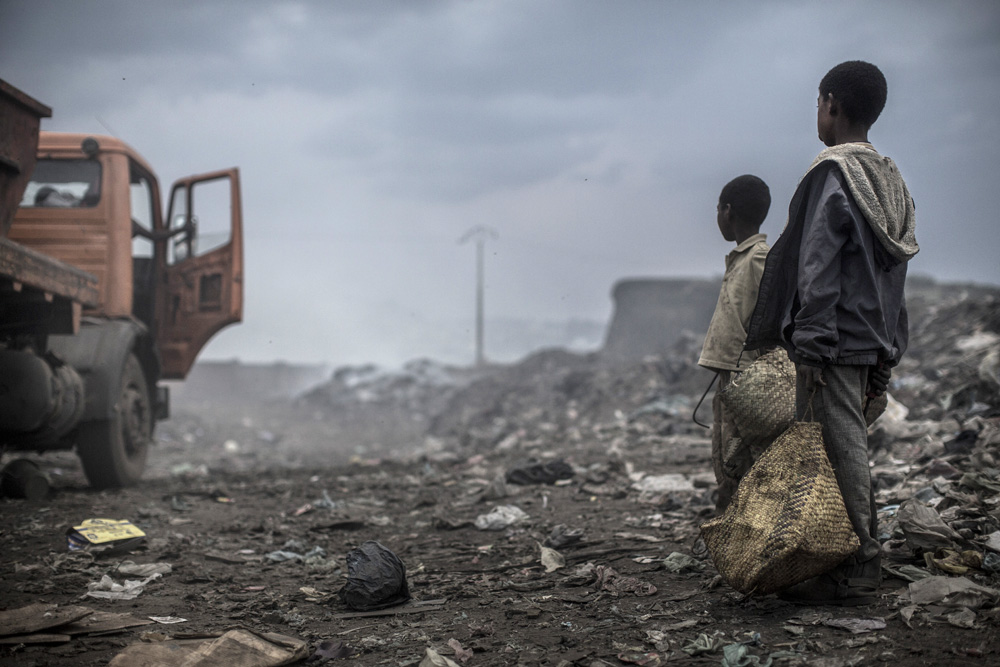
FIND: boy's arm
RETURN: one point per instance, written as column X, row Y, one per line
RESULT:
column 825, row 231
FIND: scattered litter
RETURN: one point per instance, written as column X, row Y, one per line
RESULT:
column 434, row 659
column 108, row 589
column 952, row 592
column 552, row 560
column 535, row 472
column 856, row 626
column 49, row 623
column 923, row 527
column 738, row 655
column 35, row 617
column 235, row 647
column 103, row 533
column 168, row 620
column 608, row 579
column 677, row 563
column 331, row 651
column 145, row 570
column 642, row 659
column 462, row 654
column 562, row 535
column 963, row 618
column 376, row 578
column 663, row 483
column 704, row 644
column 500, row 517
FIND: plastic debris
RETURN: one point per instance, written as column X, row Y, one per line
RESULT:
column 552, row 560
column 108, row 589
column 705, row 643
column 235, row 647
column 677, row 563
column 535, row 472
column 952, row 592
column 856, row 626
column 500, row 517
column 434, row 659
column 923, row 527
column 376, row 578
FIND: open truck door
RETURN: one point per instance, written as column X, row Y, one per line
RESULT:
column 203, row 276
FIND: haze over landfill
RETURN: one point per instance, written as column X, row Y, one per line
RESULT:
column 594, row 137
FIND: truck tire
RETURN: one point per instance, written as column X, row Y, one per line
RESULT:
column 113, row 451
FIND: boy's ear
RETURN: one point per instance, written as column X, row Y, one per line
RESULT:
column 834, row 105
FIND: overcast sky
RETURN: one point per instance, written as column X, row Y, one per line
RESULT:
column 593, row 136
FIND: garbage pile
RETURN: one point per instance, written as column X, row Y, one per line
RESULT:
column 421, row 387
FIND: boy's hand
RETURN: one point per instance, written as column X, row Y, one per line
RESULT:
column 878, row 380
column 812, row 377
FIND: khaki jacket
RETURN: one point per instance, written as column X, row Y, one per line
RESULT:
column 728, row 329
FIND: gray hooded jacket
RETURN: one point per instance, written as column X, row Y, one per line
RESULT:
column 832, row 288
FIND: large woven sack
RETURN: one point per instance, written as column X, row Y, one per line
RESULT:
column 761, row 399
column 787, row 522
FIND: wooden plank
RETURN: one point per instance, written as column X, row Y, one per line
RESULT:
column 24, row 265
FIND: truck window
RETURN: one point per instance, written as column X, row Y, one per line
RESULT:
column 64, row 184
column 210, row 218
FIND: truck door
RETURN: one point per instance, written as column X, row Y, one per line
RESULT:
column 203, row 277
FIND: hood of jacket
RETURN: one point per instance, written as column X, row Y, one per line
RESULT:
column 881, row 195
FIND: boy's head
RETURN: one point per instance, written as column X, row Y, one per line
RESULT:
column 743, row 205
column 859, row 89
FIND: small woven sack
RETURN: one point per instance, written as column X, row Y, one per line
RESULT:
column 761, row 399
column 787, row 522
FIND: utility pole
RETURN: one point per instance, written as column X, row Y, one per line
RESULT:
column 479, row 234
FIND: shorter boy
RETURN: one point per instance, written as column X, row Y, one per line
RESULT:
column 742, row 207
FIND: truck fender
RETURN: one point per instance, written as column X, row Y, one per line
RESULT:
column 99, row 353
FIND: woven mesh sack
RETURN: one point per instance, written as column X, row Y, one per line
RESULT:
column 761, row 399
column 787, row 522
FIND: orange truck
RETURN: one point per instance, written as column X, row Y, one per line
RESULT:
column 102, row 296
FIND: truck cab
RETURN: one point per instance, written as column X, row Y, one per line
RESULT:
column 166, row 282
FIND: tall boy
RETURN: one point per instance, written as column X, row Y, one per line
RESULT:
column 742, row 207
column 832, row 295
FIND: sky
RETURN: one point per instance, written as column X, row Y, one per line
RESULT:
column 592, row 136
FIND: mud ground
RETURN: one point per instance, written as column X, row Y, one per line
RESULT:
column 497, row 601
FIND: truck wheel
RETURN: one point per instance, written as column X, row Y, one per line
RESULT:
column 113, row 451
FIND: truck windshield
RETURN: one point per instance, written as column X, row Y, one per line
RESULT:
column 64, row 184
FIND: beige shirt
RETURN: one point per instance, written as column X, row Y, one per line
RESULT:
column 737, row 298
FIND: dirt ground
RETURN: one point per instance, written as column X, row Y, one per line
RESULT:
column 232, row 488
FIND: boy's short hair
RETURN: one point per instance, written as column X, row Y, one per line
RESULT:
column 859, row 87
column 749, row 198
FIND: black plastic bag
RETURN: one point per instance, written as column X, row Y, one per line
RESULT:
column 376, row 578
column 535, row 472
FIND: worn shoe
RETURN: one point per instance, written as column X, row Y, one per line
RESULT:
column 847, row 585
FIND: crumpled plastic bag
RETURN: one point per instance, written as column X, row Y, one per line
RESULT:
column 500, row 517
column 536, row 472
column 705, row 644
column 434, row 659
column 738, row 655
column 952, row 592
column 677, row 562
column 107, row 589
column 924, row 529
column 376, row 578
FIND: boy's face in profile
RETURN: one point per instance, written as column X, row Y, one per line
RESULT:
column 724, row 218
column 825, row 119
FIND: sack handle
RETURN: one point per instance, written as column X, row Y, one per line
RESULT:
column 809, row 406
column 694, row 415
